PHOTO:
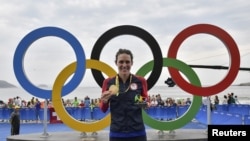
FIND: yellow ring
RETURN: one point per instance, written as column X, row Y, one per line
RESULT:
column 57, row 99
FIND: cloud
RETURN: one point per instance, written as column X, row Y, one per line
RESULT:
column 88, row 20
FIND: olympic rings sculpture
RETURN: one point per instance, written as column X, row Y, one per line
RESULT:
column 155, row 67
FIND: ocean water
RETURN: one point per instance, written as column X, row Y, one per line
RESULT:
column 243, row 93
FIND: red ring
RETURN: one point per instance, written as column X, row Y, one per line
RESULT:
column 229, row 43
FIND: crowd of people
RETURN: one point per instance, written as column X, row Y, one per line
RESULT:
column 151, row 100
column 230, row 98
column 156, row 100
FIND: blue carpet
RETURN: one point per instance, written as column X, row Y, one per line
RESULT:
column 28, row 128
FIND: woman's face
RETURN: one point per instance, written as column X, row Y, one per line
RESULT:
column 124, row 64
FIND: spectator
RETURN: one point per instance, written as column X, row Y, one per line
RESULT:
column 225, row 100
column 2, row 104
column 37, row 110
column 236, row 99
column 216, row 100
column 153, row 102
column 68, row 103
column 75, row 103
column 159, row 100
column 15, row 121
column 232, row 98
column 188, row 101
column 87, row 101
column 81, row 104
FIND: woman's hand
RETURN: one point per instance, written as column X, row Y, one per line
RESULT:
column 105, row 96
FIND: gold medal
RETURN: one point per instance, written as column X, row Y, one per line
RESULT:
column 113, row 89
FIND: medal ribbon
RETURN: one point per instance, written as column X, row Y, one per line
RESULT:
column 118, row 86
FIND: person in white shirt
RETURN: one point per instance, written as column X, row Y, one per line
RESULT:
column 153, row 102
column 236, row 99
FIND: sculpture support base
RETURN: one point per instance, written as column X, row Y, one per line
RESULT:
column 152, row 135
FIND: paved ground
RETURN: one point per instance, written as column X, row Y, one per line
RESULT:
column 53, row 129
column 152, row 135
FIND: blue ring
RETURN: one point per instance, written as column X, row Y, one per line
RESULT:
column 35, row 35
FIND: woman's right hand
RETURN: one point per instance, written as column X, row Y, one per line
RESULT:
column 106, row 96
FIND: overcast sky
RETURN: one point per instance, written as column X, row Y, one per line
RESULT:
column 88, row 20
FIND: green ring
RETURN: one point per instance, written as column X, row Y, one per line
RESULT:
column 192, row 110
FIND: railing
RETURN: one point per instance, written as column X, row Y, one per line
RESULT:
column 25, row 114
column 223, row 114
column 226, row 114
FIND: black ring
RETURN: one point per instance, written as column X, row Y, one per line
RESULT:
column 130, row 30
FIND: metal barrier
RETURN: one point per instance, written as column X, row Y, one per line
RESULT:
column 238, row 114
column 223, row 114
